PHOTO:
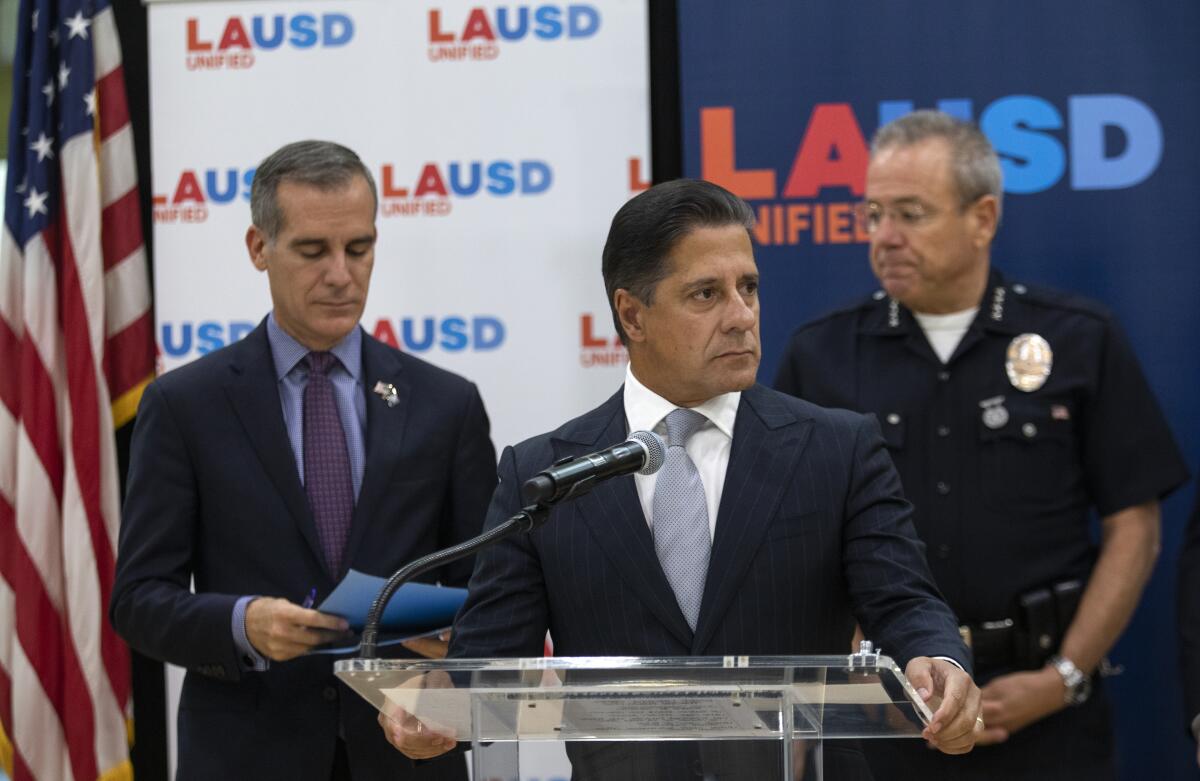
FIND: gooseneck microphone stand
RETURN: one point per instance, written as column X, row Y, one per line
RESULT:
column 527, row 520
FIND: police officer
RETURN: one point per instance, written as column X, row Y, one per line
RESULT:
column 1010, row 411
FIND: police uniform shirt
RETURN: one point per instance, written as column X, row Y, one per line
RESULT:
column 1002, row 479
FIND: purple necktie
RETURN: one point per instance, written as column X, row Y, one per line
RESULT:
column 326, row 462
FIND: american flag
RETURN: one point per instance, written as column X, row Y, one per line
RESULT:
column 75, row 351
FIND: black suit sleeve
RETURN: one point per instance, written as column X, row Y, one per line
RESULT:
column 506, row 612
column 891, row 587
column 1189, row 617
column 472, row 481
column 152, row 605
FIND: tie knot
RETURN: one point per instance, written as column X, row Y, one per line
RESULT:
column 320, row 362
column 681, row 424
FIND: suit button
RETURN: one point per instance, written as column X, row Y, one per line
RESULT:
column 944, row 376
column 943, row 431
column 942, row 488
column 329, row 693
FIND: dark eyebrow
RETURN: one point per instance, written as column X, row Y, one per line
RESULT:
column 303, row 242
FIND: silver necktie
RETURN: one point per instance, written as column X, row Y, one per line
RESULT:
column 680, row 516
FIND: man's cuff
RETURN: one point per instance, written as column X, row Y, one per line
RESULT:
column 958, row 665
column 249, row 659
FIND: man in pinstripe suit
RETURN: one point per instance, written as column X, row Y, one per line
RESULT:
column 807, row 528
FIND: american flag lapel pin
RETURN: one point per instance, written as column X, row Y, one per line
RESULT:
column 387, row 392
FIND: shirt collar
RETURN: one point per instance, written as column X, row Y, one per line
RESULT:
column 645, row 409
column 286, row 352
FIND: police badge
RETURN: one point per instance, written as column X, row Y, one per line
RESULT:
column 1028, row 362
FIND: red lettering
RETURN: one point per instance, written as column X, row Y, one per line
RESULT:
column 831, row 128
column 235, row 35
column 478, row 26
column 636, row 183
column 188, row 189
column 717, row 163
column 435, row 28
column 430, row 182
column 390, row 190
column 385, row 333
column 797, row 220
column 194, row 44
column 587, row 339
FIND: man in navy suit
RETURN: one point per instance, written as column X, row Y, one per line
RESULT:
column 260, row 473
column 790, row 516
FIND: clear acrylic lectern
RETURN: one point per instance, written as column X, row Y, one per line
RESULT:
column 728, row 717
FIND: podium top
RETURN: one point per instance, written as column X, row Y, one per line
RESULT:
column 646, row 698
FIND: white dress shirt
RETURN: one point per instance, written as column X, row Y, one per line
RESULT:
column 944, row 332
column 709, row 447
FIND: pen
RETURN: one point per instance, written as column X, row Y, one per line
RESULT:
column 311, row 599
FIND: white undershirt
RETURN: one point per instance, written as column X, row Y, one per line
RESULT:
column 944, row 332
column 709, row 447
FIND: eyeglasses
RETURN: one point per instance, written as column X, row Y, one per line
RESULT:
column 909, row 215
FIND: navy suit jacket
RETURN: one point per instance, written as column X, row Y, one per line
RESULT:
column 214, row 495
column 812, row 533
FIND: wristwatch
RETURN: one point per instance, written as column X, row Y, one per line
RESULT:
column 1079, row 686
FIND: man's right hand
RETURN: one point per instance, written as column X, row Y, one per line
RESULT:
column 412, row 738
column 281, row 630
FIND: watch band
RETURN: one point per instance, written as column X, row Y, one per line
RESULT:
column 1079, row 686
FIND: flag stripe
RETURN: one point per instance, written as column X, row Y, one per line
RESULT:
column 107, row 52
column 9, row 345
column 122, row 230
column 10, row 284
column 118, row 165
column 112, row 107
column 48, row 652
column 127, row 294
column 126, row 369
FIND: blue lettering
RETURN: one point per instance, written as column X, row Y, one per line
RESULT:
column 276, row 39
column 238, row 330
column 304, row 31
column 583, row 21
column 535, row 177
column 955, row 107
column 458, row 187
column 548, row 22
column 247, row 182
column 411, row 343
column 209, row 337
column 454, row 333
column 1091, row 167
column 1031, row 161
column 500, row 175
column 522, row 27
column 488, row 333
column 338, row 29
column 185, row 340
column 231, row 186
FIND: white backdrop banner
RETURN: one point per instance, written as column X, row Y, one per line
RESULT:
column 502, row 138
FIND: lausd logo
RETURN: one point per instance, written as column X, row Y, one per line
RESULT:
column 599, row 350
column 833, row 153
column 430, row 191
column 479, row 37
column 232, row 44
column 479, row 333
column 194, row 191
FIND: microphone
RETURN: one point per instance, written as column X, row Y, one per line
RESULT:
column 643, row 453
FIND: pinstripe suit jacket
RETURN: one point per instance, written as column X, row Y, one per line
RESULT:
column 812, row 533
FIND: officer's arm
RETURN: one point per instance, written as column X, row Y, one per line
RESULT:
column 1128, row 549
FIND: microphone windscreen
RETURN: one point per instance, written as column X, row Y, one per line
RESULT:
column 656, row 450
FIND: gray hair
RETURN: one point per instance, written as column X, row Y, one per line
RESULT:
column 973, row 162
column 321, row 164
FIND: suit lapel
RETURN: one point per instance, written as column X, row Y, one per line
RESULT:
column 254, row 394
column 613, row 514
column 384, row 441
column 767, row 441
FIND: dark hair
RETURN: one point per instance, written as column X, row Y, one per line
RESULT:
column 646, row 229
column 321, row 164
